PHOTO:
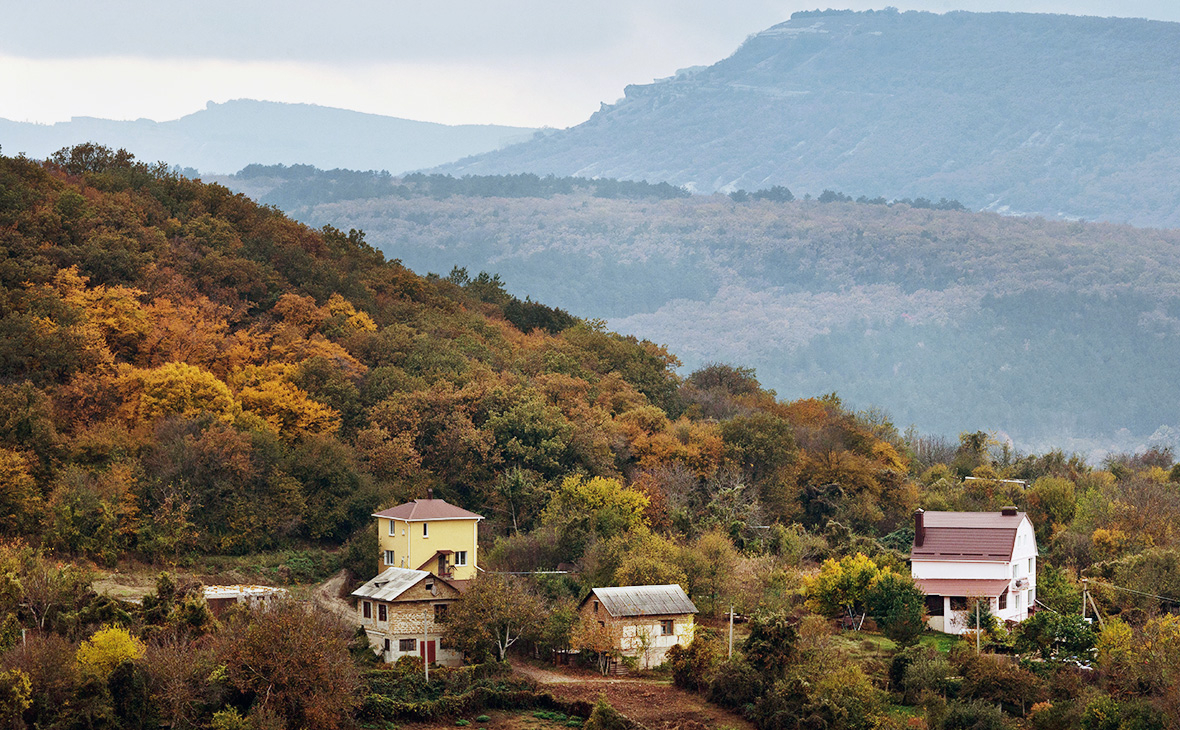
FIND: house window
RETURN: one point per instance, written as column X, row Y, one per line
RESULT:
column 392, row 529
column 407, row 644
column 367, row 609
column 461, row 557
column 958, row 603
column 1004, row 600
column 666, row 628
column 382, row 612
column 934, row 605
column 602, row 624
column 386, row 646
column 1030, row 566
column 440, row 612
column 389, row 557
column 425, row 529
column 1015, row 569
column 596, row 607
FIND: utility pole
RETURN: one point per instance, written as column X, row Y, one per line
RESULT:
column 731, row 631
column 976, row 625
column 1085, row 594
column 425, row 647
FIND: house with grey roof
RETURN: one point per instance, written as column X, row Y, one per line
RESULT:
column 958, row 557
column 403, row 612
column 644, row 622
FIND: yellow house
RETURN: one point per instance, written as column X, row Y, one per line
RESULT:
column 430, row 535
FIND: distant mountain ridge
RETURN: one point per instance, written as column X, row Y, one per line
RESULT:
column 224, row 138
column 1063, row 116
column 1057, row 334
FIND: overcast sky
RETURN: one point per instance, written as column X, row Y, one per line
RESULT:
column 521, row 62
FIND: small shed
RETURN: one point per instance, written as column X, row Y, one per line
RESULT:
column 644, row 621
column 221, row 598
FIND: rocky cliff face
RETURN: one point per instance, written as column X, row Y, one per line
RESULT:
column 1049, row 114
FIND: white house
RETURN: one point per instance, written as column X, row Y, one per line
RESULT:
column 959, row 556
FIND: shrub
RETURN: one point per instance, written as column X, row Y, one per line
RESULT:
column 735, row 684
column 927, row 673
column 771, row 642
column 605, row 717
column 109, row 647
column 973, row 715
column 692, row 666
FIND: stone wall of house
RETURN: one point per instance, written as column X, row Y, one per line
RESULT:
column 641, row 636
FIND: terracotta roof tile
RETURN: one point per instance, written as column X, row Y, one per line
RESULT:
column 427, row 509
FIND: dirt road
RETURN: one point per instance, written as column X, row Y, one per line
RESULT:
column 327, row 595
column 655, row 704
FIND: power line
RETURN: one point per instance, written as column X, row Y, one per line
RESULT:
column 1132, row 590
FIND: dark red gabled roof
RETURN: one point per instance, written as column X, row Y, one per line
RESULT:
column 968, row 536
column 427, row 509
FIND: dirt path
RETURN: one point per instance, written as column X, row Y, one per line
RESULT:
column 655, row 704
column 327, row 595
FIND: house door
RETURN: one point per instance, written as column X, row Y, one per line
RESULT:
column 427, row 650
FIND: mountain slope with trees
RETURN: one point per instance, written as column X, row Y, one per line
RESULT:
column 1053, row 333
column 1048, row 114
column 182, row 369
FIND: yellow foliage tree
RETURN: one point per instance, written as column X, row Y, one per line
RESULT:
column 356, row 321
column 288, row 409
column 109, row 647
column 185, row 390
column 18, row 494
column 841, row 586
column 601, row 504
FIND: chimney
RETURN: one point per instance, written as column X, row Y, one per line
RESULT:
column 919, row 527
column 1009, row 511
column 430, row 494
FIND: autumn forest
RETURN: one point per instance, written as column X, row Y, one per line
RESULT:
column 190, row 380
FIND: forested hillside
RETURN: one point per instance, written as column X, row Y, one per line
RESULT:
column 185, row 373
column 1049, row 114
column 183, row 369
column 1054, row 333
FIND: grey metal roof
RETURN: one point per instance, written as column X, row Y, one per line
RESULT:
column 645, row 600
column 391, row 583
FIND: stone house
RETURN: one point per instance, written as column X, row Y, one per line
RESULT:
column 644, row 621
column 403, row 612
column 431, row 535
column 961, row 556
